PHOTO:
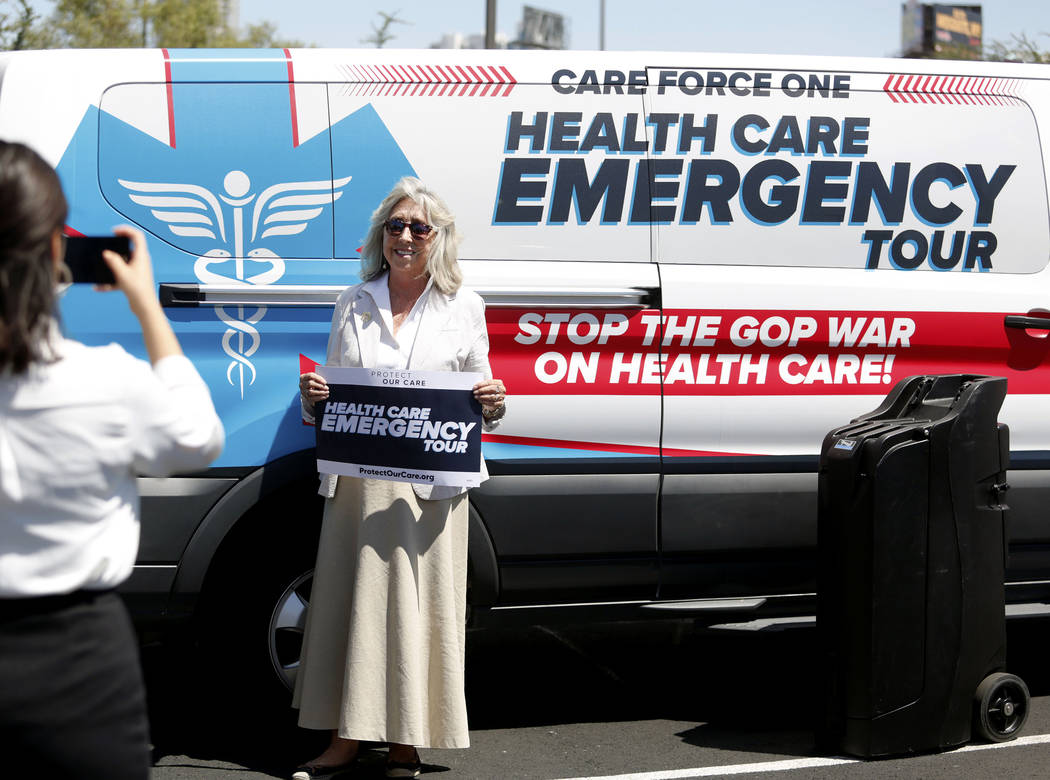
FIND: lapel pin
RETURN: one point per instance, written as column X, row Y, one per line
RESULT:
column 366, row 318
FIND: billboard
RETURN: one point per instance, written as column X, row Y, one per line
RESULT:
column 949, row 31
column 542, row 29
column 957, row 28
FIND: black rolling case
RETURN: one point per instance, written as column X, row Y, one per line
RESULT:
column 910, row 576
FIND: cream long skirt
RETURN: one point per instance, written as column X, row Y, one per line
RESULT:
column 383, row 652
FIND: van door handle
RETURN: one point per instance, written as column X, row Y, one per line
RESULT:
column 1028, row 323
column 553, row 297
column 174, row 295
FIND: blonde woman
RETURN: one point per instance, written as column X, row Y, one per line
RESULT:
column 383, row 651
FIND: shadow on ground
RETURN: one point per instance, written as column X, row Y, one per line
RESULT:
column 750, row 691
column 746, row 691
column 201, row 711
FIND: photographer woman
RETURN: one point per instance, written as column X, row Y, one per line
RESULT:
column 77, row 424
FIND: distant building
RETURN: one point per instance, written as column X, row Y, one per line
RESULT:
column 945, row 31
column 537, row 29
column 461, row 41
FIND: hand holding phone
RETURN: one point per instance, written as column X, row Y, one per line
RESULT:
column 84, row 257
column 128, row 268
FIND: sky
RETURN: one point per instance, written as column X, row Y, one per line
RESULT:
column 843, row 27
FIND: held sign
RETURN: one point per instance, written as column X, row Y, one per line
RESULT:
column 405, row 426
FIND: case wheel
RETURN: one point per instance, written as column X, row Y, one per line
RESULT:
column 1001, row 706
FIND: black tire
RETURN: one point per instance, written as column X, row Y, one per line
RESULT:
column 1001, row 706
column 266, row 562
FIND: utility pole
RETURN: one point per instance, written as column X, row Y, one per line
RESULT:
column 601, row 25
column 490, row 24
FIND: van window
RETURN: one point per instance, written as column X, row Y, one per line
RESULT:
column 531, row 173
column 223, row 171
column 801, row 169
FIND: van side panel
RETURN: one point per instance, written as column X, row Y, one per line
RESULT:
column 835, row 244
column 694, row 266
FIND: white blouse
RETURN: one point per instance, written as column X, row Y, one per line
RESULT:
column 74, row 433
column 395, row 352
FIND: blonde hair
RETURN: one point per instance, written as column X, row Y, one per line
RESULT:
column 443, row 249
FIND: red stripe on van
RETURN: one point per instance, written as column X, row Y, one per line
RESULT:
column 728, row 352
column 291, row 99
column 969, row 90
column 630, row 449
column 569, row 444
column 171, row 99
column 887, row 90
column 937, row 87
column 306, row 365
column 953, row 89
column 430, row 80
column 513, row 81
column 476, row 79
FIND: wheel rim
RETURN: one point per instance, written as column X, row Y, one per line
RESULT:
column 1006, row 708
column 287, row 624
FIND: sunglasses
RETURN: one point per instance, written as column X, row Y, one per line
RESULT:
column 396, row 227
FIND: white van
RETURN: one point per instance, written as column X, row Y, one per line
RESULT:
column 695, row 266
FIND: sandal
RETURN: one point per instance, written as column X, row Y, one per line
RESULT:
column 404, row 768
column 322, row 771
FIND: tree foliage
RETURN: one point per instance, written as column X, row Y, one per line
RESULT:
column 186, row 24
column 381, row 34
column 1020, row 48
column 93, row 24
column 264, row 36
column 19, row 25
column 129, row 23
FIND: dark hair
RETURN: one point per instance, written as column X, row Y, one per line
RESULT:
column 32, row 208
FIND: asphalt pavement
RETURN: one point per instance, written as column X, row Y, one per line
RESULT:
column 651, row 701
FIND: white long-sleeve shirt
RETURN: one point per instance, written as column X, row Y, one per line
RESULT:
column 395, row 351
column 74, row 434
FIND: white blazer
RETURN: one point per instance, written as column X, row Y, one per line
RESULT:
column 451, row 337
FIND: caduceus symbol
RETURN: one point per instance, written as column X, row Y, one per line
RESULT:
column 191, row 210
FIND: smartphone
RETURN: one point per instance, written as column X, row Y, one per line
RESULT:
column 84, row 257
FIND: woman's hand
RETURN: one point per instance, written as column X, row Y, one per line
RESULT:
column 134, row 277
column 492, row 395
column 312, row 387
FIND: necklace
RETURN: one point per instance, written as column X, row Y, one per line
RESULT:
column 401, row 304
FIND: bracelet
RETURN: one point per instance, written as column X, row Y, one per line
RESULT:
column 492, row 417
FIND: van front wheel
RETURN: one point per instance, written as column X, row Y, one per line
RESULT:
column 287, row 624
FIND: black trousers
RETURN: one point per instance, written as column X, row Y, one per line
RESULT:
column 72, row 703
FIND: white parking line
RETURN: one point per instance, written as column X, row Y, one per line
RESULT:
column 1035, row 739
column 721, row 771
column 790, row 764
